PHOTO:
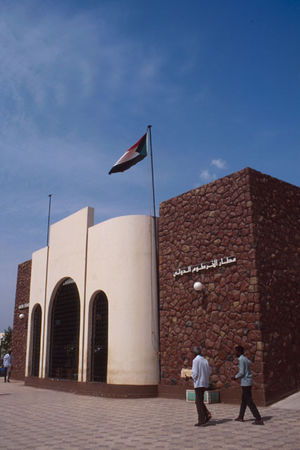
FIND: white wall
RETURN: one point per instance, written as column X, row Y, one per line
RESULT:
column 67, row 259
column 121, row 262
column 117, row 257
column 37, row 296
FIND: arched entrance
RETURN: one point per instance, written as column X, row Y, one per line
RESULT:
column 99, row 338
column 36, row 340
column 64, row 340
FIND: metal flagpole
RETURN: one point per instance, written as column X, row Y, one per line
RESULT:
column 43, row 365
column 49, row 212
column 156, row 244
column 152, row 171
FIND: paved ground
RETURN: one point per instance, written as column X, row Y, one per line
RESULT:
column 41, row 419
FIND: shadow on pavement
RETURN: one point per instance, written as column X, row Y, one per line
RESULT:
column 266, row 418
column 215, row 422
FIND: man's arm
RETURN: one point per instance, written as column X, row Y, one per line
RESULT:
column 241, row 372
column 194, row 370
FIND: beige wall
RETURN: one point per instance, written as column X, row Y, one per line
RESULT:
column 67, row 259
column 121, row 263
column 37, row 296
column 118, row 258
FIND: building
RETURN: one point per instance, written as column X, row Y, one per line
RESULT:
column 237, row 236
column 92, row 308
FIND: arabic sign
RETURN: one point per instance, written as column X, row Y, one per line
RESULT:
column 205, row 266
column 24, row 306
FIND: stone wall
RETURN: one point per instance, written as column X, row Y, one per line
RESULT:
column 230, row 217
column 276, row 207
column 20, row 325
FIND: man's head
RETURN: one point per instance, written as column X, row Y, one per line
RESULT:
column 197, row 350
column 239, row 350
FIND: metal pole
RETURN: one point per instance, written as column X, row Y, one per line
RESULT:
column 152, row 170
column 49, row 212
column 156, row 246
column 43, row 362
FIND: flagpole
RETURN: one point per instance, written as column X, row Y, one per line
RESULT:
column 49, row 213
column 152, row 170
column 42, row 372
column 156, row 244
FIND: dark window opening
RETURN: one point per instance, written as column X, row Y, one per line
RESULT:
column 99, row 338
column 65, row 332
column 36, row 341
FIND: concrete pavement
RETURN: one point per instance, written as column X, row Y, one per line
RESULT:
column 42, row 419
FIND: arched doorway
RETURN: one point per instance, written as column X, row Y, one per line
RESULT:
column 64, row 340
column 99, row 338
column 36, row 340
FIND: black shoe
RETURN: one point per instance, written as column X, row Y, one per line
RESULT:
column 238, row 419
column 258, row 422
column 199, row 424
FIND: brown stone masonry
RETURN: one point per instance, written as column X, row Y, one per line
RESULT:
column 20, row 325
column 276, row 217
column 209, row 224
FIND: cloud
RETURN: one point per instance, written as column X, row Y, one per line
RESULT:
column 42, row 56
column 46, row 57
column 207, row 176
column 219, row 163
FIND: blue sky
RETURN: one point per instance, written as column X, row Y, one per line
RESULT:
column 219, row 81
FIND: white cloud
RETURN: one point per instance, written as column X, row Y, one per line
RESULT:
column 39, row 54
column 207, row 176
column 219, row 163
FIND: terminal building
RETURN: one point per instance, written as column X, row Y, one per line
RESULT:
column 95, row 313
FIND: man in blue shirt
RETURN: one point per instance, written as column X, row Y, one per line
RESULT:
column 246, row 382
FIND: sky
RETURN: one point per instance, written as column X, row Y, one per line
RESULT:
column 80, row 81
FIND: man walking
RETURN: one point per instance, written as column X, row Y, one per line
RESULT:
column 200, row 375
column 246, row 383
column 7, row 363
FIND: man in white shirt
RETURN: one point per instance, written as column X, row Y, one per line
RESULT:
column 7, row 363
column 200, row 375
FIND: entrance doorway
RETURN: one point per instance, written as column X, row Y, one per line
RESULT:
column 64, row 340
column 99, row 338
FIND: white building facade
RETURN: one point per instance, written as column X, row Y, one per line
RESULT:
column 93, row 303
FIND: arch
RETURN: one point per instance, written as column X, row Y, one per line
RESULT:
column 36, row 318
column 98, row 337
column 64, row 331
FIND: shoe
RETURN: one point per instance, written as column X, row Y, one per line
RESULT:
column 199, row 424
column 258, row 422
column 238, row 419
column 208, row 418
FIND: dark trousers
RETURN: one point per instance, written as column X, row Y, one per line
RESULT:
column 202, row 411
column 247, row 401
column 7, row 372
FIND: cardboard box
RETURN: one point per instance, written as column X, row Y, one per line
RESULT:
column 209, row 396
column 186, row 373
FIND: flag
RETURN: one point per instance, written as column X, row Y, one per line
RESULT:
column 132, row 156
